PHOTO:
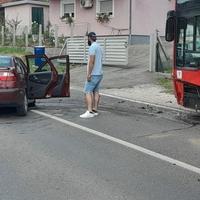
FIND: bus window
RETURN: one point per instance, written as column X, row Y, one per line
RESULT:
column 188, row 43
column 189, row 35
column 198, row 34
column 180, row 48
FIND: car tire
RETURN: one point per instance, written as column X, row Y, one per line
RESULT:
column 23, row 108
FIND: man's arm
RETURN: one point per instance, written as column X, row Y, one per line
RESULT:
column 90, row 66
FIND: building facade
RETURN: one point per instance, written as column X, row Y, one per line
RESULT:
column 25, row 12
column 109, row 17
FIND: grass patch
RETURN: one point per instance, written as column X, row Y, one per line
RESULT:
column 14, row 51
column 168, row 70
column 166, row 83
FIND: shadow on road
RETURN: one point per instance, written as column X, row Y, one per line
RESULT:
column 191, row 118
column 7, row 112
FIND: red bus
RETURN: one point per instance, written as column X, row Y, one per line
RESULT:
column 183, row 27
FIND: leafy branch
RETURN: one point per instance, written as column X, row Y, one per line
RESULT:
column 68, row 19
column 13, row 23
column 103, row 17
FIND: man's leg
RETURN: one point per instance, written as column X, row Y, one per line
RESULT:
column 96, row 95
column 88, row 90
column 92, row 96
column 89, row 101
column 96, row 99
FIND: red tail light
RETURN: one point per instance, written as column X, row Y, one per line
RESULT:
column 7, row 76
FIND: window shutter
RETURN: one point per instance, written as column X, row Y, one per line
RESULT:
column 68, row 8
column 105, row 6
column 68, row 1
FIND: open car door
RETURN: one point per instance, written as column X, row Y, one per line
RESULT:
column 61, row 64
column 48, row 77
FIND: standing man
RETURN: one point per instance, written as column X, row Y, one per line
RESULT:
column 94, row 77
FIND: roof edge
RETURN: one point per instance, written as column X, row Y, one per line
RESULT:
column 10, row 4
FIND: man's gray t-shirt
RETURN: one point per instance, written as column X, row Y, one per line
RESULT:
column 96, row 50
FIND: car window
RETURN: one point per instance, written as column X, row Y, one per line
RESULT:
column 60, row 64
column 22, row 65
column 5, row 62
column 19, row 67
column 38, row 65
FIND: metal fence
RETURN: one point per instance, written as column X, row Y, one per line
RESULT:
column 15, row 34
column 24, row 36
column 114, row 49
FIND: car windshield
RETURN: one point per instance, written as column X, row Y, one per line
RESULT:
column 5, row 61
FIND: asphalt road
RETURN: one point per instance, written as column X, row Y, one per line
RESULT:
column 122, row 154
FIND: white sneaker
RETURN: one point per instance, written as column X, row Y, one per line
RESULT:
column 95, row 112
column 87, row 114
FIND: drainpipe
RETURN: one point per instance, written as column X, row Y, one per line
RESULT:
column 130, row 21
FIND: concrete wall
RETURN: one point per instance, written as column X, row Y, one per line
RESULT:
column 50, row 52
column 22, row 13
column 138, row 56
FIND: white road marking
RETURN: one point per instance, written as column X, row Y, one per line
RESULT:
column 124, row 143
column 142, row 102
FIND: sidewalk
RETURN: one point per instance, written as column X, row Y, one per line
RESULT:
column 135, row 83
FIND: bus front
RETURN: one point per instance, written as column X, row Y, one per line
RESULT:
column 183, row 27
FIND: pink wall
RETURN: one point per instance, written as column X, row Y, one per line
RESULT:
column 86, row 19
column 150, row 15
column 147, row 15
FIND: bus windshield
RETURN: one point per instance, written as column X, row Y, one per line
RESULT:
column 182, row 1
column 188, row 34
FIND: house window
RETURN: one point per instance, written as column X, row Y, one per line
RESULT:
column 67, row 8
column 105, row 6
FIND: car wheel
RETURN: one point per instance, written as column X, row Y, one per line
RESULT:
column 23, row 108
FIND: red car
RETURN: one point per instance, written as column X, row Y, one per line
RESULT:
column 41, row 77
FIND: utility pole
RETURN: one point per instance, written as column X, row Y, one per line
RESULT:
column 130, row 21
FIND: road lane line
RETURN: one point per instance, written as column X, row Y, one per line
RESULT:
column 145, row 103
column 121, row 142
column 142, row 102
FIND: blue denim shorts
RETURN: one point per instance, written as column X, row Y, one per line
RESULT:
column 94, row 84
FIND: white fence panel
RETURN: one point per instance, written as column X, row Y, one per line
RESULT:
column 114, row 48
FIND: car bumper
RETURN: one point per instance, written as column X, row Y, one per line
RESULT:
column 11, row 97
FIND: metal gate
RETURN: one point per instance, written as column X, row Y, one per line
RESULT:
column 115, row 49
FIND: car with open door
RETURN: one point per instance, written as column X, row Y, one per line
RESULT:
column 13, row 83
column 40, row 77
column 48, row 77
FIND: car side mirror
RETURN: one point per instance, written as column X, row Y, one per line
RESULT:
column 170, row 26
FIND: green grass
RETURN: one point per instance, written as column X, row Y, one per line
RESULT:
column 167, row 69
column 21, row 52
column 166, row 83
column 13, row 51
